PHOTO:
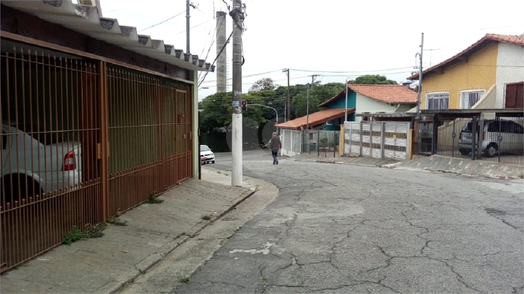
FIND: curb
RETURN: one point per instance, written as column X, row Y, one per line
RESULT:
column 143, row 266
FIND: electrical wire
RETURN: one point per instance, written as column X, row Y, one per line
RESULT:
column 181, row 32
column 212, row 43
column 220, row 52
column 341, row 72
column 168, row 19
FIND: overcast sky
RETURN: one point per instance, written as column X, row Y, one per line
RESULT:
column 337, row 39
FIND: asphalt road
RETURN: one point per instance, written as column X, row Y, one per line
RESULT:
column 351, row 229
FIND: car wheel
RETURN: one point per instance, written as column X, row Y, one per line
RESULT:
column 465, row 151
column 213, row 162
column 20, row 187
column 491, row 150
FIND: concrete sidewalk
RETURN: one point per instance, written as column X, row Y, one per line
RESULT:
column 104, row 265
column 437, row 163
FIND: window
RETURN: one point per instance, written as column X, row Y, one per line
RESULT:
column 470, row 98
column 437, row 100
column 515, row 95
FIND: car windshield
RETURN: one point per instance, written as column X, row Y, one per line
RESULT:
column 468, row 127
column 204, row 148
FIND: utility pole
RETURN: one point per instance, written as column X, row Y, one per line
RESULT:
column 346, row 105
column 236, row 137
column 420, row 77
column 307, row 109
column 187, row 26
column 287, row 115
column 307, row 106
column 221, row 68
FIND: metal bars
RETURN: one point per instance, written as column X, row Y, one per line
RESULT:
column 82, row 140
column 150, row 121
column 50, row 178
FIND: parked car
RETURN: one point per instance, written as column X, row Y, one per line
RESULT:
column 497, row 136
column 36, row 162
column 206, row 155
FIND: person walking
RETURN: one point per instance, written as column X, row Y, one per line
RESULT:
column 275, row 145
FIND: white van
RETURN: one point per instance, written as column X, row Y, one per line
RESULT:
column 504, row 136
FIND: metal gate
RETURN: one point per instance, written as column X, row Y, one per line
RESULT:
column 150, row 136
column 82, row 140
column 50, row 129
column 377, row 139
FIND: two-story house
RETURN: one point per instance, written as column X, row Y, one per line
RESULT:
column 488, row 74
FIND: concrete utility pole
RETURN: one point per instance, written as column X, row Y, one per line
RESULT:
column 222, row 56
column 236, row 137
column 420, row 77
column 287, row 115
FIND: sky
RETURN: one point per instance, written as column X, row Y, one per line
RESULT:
column 335, row 39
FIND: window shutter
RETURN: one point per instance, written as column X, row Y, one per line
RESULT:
column 515, row 95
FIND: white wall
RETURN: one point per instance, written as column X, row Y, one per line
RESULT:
column 510, row 69
column 365, row 104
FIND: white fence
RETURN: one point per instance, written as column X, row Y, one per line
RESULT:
column 291, row 142
column 377, row 139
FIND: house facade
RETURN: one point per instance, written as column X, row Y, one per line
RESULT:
column 96, row 119
column 479, row 77
column 372, row 99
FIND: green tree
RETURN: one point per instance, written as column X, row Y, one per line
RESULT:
column 373, row 79
column 317, row 94
column 217, row 110
column 263, row 84
column 326, row 91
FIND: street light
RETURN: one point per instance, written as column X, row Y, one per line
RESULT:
column 262, row 105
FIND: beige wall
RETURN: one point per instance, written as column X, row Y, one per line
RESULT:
column 476, row 73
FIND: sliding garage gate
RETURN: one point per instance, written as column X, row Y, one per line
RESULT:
column 82, row 139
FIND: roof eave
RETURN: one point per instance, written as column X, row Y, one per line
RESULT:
column 86, row 20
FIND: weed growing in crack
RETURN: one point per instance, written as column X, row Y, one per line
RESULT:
column 153, row 198
column 90, row 231
column 184, row 280
column 117, row 222
column 206, row 217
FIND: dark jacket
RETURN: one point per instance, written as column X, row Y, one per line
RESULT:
column 275, row 144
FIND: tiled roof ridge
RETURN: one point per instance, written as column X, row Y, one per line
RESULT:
column 512, row 39
column 389, row 85
column 360, row 88
column 503, row 38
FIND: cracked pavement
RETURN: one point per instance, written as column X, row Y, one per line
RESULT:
column 355, row 229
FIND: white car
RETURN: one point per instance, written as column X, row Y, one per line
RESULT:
column 498, row 136
column 206, row 155
column 37, row 163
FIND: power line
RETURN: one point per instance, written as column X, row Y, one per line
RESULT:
column 222, row 49
column 361, row 71
column 181, row 32
column 259, row 74
column 162, row 21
